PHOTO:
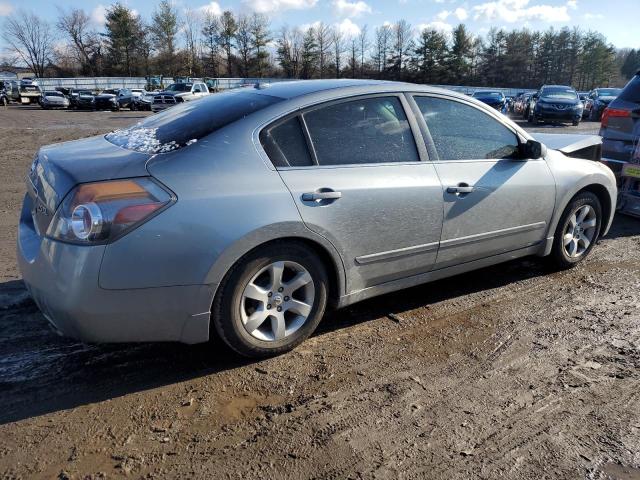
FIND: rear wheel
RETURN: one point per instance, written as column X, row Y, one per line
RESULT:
column 271, row 300
column 577, row 231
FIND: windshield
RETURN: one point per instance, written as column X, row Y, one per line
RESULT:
column 187, row 123
column 179, row 87
column 609, row 92
column 560, row 92
column 53, row 94
column 487, row 95
column 110, row 92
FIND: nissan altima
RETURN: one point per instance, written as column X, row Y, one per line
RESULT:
column 248, row 212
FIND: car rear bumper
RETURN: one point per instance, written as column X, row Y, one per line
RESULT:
column 63, row 281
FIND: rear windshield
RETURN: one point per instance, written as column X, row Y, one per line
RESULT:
column 609, row 92
column 179, row 87
column 188, row 122
column 631, row 93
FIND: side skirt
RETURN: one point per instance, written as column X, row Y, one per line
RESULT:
column 433, row 275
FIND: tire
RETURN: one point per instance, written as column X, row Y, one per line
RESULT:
column 575, row 123
column 560, row 254
column 232, row 309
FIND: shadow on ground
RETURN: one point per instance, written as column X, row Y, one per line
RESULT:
column 41, row 372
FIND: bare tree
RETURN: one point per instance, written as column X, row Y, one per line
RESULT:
column 402, row 43
column 324, row 41
column 383, row 41
column 338, row 41
column 211, row 34
column 243, row 43
column 30, row 38
column 363, row 41
column 191, row 30
column 75, row 24
column 290, row 50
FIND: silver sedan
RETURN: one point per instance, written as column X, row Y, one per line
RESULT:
column 248, row 212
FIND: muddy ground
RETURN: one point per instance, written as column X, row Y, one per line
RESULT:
column 513, row 371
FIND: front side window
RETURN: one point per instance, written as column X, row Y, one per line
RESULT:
column 367, row 130
column 462, row 132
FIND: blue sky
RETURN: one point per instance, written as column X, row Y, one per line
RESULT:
column 619, row 20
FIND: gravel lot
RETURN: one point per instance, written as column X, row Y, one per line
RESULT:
column 514, row 371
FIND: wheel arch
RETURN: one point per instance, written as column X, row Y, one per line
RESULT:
column 257, row 240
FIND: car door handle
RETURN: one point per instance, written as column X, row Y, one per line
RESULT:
column 462, row 188
column 326, row 195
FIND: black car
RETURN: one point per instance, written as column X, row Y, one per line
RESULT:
column 4, row 98
column 598, row 100
column 556, row 103
column 82, row 99
column 114, row 99
column 620, row 131
column 620, row 127
column 493, row 99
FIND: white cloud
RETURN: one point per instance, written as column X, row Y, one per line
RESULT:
column 99, row 15
column 461, row 14
column 306, row 26
column 348, row 28
column 437, row 25
column 212, row 8
column 593, row 16
column 272, row 6
column 443, row 15
column 6, row 9
column 572, row 4
column 351, row 9
column 512, row 11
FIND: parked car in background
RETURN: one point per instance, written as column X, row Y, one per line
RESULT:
column 138, row 93
column 495, row 100
column 248, row 212
column 520, row 104
column 556, row 103
column 4, row 98
column 583, row 98
column 83, row 100
column 29, row 91
column 620, row 128
column 144, row 102
column 598, row 100
column 114, row 99
column 178, row 93
column 53, row 99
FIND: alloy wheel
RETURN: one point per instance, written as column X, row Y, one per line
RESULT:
column 580, row 231
column 277, row 301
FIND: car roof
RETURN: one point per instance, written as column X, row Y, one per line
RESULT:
column 334, row 87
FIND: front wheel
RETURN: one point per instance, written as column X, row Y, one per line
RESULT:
column 577, row 231
column 271, row 300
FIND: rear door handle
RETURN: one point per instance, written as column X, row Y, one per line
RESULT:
column 326, row 195
column 462, row 188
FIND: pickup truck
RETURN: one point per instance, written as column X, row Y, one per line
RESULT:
column 178, row 93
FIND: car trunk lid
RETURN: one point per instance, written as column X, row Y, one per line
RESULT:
column 60, row 167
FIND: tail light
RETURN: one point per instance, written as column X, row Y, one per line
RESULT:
column 104, row 211
column 611, row 113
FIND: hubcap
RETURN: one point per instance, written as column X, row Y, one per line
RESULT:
column 277, row 301
column 580, row 231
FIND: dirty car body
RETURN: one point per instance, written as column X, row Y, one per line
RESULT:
column 182, row 201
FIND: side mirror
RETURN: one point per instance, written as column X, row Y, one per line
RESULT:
column 533, row 149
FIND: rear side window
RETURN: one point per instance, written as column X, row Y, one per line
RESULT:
column 631, row 92
column 462, row 132
column 190, row 121
column 368, row 130
column 285, row 144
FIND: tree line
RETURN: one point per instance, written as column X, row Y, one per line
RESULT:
column 204, row 44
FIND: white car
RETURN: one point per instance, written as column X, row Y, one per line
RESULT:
column 138, row 93
column 178, row 93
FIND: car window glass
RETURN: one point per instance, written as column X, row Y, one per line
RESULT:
column 368, row 130
column 631, row 93
column 285, row 144
column 462, row 132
